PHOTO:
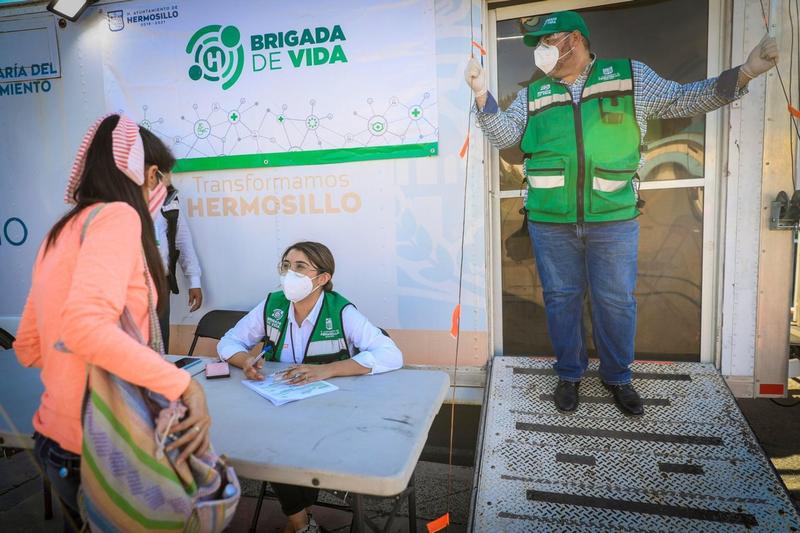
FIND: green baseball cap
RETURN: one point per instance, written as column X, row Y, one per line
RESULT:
column 553, row 23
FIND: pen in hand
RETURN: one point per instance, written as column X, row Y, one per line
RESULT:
column 253, row 366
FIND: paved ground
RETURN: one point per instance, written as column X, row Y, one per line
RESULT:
column 21, row 507
column 777, row 426
column 778, row 429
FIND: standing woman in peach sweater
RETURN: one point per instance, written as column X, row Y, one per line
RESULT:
column 78, row 292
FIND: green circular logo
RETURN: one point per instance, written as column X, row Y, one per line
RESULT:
column 217, row 53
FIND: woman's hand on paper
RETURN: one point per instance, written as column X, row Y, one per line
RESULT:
column 303, row 374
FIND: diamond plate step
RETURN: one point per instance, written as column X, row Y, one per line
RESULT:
column 691, row 463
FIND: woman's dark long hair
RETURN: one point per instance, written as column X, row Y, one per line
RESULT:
column 156, row 152
column 102, row 181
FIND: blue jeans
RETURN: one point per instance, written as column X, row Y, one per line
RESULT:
column 63, row 470
column 600, row 257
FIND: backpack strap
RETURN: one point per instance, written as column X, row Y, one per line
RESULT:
column 89, row 219
column 171, row 216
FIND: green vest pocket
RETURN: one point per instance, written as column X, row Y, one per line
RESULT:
column 612, row 190
column 611, row 109
column 547, row 191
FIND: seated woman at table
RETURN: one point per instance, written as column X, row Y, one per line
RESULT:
column 317, row 330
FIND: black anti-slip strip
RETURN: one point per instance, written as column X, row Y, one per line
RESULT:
column 675, row 468
column 694, row 513
column 587, row 460
column 626, row 435
column 595, row 374
column 662, row 402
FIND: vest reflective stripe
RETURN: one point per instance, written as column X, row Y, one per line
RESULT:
column 604, row 185
column 546, row 182
column 540, row 103
column 608, row 87
column 274, row 335
column 317, row 348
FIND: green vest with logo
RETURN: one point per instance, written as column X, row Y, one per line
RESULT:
column 581, row 158
column 327, row 342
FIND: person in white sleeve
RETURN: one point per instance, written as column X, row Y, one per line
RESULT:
column 320, row 332
column 173, row 237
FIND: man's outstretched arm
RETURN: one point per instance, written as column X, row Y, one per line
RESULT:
column 660, row 98
column 502, row 128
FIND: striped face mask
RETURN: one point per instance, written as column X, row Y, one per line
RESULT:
column 157, row 196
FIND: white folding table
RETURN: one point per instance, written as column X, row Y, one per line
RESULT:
column 364, row 438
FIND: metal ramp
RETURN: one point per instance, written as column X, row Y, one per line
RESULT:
column 691, row 463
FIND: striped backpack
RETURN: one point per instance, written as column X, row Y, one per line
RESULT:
column 128, row 481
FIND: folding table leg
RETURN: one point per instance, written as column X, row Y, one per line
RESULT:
column 412, row 504
column 48, row 498
column 261, row 493
column 358, row 525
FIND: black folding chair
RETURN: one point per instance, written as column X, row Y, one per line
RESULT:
column 6, row 339
column 215, row 324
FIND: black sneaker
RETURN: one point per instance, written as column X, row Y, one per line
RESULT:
column 566, row 395
column 626, row 398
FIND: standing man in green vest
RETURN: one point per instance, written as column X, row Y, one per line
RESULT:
column 581, row 127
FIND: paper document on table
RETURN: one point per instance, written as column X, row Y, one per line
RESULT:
column 280, row 393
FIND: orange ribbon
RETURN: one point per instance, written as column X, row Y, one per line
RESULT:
column 463, row 151
column 480, row 48
column 439, row 524
column 456, row 319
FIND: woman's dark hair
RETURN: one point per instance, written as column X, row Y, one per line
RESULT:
column 156, row 152
column 320, row 256
column 102, row 181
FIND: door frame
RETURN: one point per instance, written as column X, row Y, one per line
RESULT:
column 713, row 205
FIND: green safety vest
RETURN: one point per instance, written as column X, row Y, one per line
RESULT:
column 581, row 158
column 327, row 342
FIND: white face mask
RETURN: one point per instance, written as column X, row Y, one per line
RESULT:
column 297, row 286
column 546, row 56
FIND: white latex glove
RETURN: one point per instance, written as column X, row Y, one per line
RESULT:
column 762, row 58
column 475, row 76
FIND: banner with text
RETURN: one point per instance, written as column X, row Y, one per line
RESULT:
column 232, row 85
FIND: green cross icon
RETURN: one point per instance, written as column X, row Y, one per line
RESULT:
column 416, row 112
column 280, row 118
column 234, row 116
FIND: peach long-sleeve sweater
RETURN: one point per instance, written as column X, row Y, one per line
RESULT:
column 77, row 295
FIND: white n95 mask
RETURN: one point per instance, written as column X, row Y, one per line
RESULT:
column 546, row 56
column 296, row 286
